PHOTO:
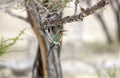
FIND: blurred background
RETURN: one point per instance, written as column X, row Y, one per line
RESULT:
column 90, row 47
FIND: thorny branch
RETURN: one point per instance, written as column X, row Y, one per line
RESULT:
column 68, row 19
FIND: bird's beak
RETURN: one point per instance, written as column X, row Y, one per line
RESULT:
column 63, row 30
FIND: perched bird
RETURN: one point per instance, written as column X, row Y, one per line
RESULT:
column 56, row 39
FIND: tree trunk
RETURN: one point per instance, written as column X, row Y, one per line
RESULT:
column 44, row 67
column 116, row 8
column 104, row 28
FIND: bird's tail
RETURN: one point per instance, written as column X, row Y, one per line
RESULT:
column 51, row 46
column 48, row 52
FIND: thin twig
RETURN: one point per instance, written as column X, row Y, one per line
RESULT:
column 6, row 1
column 76, row 5
column 14, row 15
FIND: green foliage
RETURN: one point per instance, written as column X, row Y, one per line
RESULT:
column 53, row 5
column 112, row 72
column 65, row 1
column 98, row 73
column 6, row 43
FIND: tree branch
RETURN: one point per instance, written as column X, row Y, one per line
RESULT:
column 17, row 16
column 5, row 1
column 84, row 13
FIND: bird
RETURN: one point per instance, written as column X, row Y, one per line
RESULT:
column 57, row 38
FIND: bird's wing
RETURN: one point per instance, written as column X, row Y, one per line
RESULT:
column 57, row 37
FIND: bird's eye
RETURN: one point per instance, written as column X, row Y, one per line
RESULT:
column 48, row 30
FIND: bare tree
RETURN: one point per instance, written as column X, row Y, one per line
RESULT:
column 116, row 8
column 104, row 26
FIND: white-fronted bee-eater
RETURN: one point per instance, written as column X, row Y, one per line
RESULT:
column 56, row 39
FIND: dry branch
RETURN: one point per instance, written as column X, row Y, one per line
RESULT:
column 68, row 19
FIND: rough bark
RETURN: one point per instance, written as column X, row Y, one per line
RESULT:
column 44, row 66
column 41, row 56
